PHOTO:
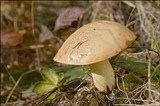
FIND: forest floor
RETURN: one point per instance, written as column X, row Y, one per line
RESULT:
column 33, row 32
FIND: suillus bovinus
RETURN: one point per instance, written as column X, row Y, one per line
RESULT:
column 93, row 45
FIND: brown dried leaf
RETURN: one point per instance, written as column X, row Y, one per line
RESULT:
column 3, row 91
column 68, row 16
column 46, row 34
column 6, row 11
column 13, row 38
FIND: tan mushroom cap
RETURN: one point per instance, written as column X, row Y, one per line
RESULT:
column 95, row 42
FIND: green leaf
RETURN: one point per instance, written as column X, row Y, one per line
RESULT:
column 155, row 43
column 53, row 95
column 156, row 71
column 60, row 76
column 129, row 63
column 76, row 72
column 72, row 72
column 43, row 87
column 50, row 75
column 27, row 93
column 154, row 4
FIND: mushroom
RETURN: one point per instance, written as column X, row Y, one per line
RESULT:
column 93, row 44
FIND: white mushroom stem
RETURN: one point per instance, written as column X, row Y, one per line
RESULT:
column 103, row 76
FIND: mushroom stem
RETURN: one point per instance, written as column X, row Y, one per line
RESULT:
column 103, row 76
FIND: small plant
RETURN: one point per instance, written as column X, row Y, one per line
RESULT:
column 51, row 83
column 155, row 43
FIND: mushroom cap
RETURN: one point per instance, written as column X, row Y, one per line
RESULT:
column 94, row 42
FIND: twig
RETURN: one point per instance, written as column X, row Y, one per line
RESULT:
column 137, row 105
column 139, row 91
column 136, row 100
column 33, row 33
column 13, row 103
column 12, row 78
column 82, row 82
column 10, row 75
column 125, row 91
column 138, row 88
column 10, row 94
column 123, row 88
column 142, row 14
column 124, row 104
column 141, row 96
column 44, row 97
column 149, row 77
column 128, row 24
column 155, row 92
column 118, row 85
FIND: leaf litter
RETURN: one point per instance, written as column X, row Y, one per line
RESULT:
column 140, row 16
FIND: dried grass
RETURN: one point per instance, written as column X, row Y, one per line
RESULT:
column 144, row 20
column 140, row 16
